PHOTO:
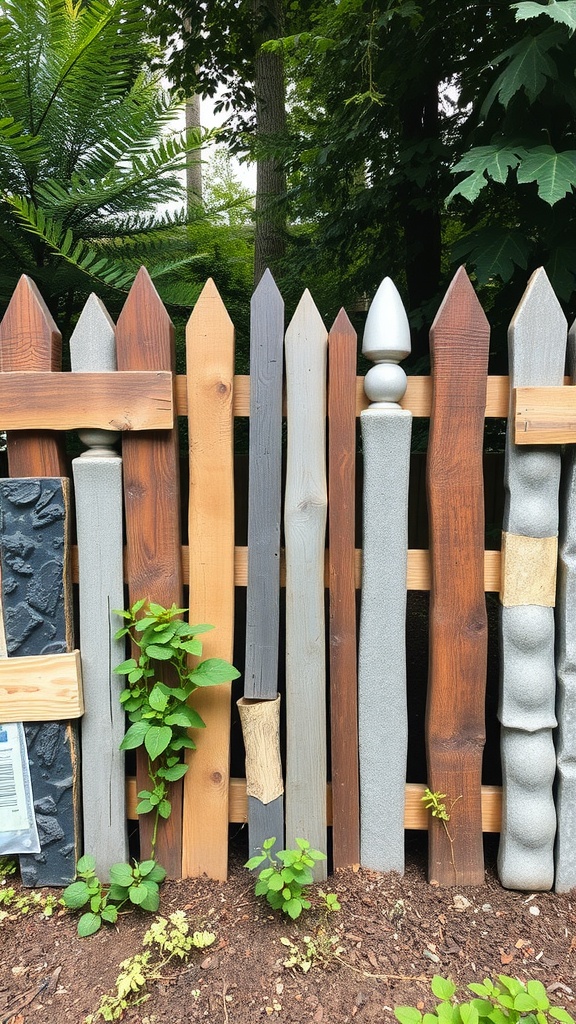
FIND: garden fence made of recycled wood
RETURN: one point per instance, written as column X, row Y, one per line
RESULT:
column 127, row 510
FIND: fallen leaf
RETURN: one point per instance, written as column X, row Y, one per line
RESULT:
column 521, row 943
column 506, row 958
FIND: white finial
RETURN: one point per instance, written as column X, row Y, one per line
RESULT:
column 386, row 341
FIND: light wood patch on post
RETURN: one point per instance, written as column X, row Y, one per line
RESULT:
column 544, row 415
column 528, row 570
column 261, row 728
column 43, row 688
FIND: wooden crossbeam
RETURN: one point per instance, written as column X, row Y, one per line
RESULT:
column 41, row 688
column 544, row 415
column 138, row 400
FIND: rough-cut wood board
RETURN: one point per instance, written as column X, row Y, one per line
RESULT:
column 99, row 526
column 210, row 376
column 30, row 340
column 37, row 599
column 145, row 341
column 544, row 415
column 455, row 735
column 47, row 401
column 341, row 556
column 418, row 397
column 304, row 528
column 415, row 814
column 264, row 511
column 536, row 350
column 46, row 688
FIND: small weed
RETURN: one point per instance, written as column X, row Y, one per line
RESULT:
column 319, row 949
column 285, row 879
column 505, row 1000
column 168, row 938
column 137, row 886
column 433, row 803
column 25, row 903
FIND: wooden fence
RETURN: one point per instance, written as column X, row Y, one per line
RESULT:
column 123, row 382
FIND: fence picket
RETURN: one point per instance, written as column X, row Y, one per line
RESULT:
column 455, row 733
column 98, row 500
column 536, row 345
column 304, row 528
column 343, row 664
column 210, row 376
column 383, row 713
column 265, row 805
column 145, row 341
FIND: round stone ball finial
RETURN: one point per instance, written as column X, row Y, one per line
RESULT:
column 386, row 341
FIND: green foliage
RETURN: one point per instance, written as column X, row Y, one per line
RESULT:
column 160, row 714
column 88, row 151
column 433, row 803
column 134, row 885
column 17, row 904
column 285, row 880
column 503, row 1001
column 167, row 938
column 320, row 948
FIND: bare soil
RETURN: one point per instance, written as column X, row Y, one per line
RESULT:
column 394, row 934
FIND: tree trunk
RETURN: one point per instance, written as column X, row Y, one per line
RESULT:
column 193, row 170
column 269, row 88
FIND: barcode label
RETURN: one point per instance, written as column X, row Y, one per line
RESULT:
column 16, row 811
column 8, row 797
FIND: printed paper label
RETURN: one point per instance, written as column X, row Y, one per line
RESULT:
column 16, row 811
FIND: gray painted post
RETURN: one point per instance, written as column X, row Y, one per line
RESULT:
column 537, row 345
column 98, row 492
column 382, row 708
column 565, row 850
column 305, row 528
column 265, row 804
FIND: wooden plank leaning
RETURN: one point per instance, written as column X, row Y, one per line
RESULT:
column 305, row 529
column 536, row 346
column 260, row 706
column 30, row 340
column 383, row 712
column 145, row 341
column 210, row 378
column 455, row 734
column 98, row 500
column 341, row 553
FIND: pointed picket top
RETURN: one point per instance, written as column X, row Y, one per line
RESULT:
column 144, row 331
column 386, row 341
column 210, row 308
column 29, row 337
column 266, row 287
column 306, row 320
column 538, row 324
column 342, row 324
column 459, row 311
column 93, row 341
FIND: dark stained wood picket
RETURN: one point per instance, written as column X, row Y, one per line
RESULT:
column 455, row 733
column 145, row 341
column 341, row 561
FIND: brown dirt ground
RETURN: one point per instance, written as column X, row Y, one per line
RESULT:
column 395, row 934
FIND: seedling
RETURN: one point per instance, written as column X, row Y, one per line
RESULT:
column 160, row 714
column 505, row 1000
column 285, row 879
column 136, row 885
column 433, row 803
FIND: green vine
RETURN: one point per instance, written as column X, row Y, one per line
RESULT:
column 160, row 715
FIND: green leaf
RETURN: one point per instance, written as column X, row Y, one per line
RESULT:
column 157, row 699
column 151, row 902
column 254, row 862
column 563, row 12
column 559, row 1013
column 175, row 773
column 529, row 67
column 554, row 173
column 118, row 893
column 126, row 667
column 293, row 908
column 442, row 988
column 89, row 924
column 135, row 735
column 76, row 895
column 157, row 739
column 160, row 653
column 468, row 1013
column 121, row 874
column 109, row 914
column 186, row 717
column 213, row 671
column 484, row 162
column 86, row 865
column 525, row 1002
column 408, row 1015
column 137, row 894
column 144, row 806
column 276, row 883
column 493, row 252
column 164, row 808
column 158, row 874
column 538, row 992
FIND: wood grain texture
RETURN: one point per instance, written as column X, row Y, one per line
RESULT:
column 47, row 688
column 99, row 527
column 110, row 401
column 418, row 397
column 210, row 376
column 266, row 819
column 145, row 341
column 544, row 415
column 305, row 528
column 455, row 735
column 30, row 340
column 341, row 568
